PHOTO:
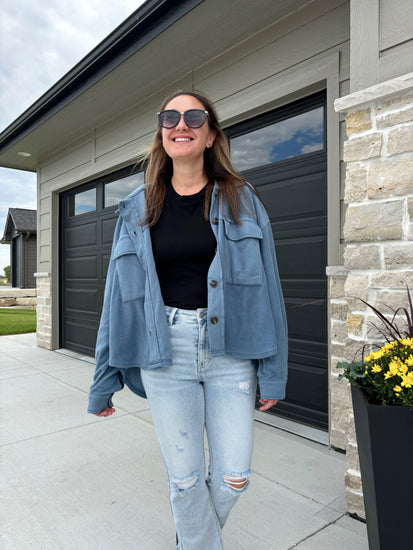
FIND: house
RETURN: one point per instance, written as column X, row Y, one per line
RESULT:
column 289, row 79
column 20, row 234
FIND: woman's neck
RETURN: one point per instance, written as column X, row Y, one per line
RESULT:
column 188, row 180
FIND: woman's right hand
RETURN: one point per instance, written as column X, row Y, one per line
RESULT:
column 106, row 412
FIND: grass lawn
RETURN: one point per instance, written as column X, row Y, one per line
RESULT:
column 17, row 321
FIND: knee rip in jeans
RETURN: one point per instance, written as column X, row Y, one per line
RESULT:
column 236, row 482
column 185, row 484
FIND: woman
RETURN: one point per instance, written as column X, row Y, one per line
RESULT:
column 193, row 311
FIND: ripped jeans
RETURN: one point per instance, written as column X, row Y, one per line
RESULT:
column 201, row 392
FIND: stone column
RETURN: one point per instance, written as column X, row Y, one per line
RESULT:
column 339, row 394
column 378, row 228
column 44, row 310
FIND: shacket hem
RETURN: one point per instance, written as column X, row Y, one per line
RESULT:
column 261, row 355
column 147, row 365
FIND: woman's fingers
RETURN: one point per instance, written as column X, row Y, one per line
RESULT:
column 267, row 404
column 106, row 412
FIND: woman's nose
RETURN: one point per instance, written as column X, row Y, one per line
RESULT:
column 182, row 124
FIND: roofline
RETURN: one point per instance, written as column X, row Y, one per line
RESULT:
column 141, row 27
column 9, row 217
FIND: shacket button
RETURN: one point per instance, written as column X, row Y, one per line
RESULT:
column 215, row 221
column 214, row 284
column 214, row 320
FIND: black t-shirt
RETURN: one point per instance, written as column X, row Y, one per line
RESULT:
column 183, row 246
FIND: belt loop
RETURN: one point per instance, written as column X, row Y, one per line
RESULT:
column 172, row 314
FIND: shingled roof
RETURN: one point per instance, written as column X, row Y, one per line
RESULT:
column 19, row 220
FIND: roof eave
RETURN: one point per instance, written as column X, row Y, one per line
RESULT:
column 141, row 27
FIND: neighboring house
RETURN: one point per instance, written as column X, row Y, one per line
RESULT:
column 274, row 71
column 20, row 234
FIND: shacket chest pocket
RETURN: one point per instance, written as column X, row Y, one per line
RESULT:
column 243, row 258
column 130, row 272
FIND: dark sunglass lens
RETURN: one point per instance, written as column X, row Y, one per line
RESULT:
column 169, row 119
column 195, row 118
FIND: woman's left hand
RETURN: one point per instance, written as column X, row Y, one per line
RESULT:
column 267, row 404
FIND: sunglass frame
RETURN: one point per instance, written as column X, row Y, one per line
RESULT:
column 184, row 114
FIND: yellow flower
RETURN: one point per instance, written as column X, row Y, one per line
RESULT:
column 376, row 368
column 403, row 368
column 408, row 380
column 409, row 361
column 394, row 368
column 397, row 389
column 407, row 341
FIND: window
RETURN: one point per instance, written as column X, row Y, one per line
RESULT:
column 292, row 137
column 82, row 202
column 117, row 190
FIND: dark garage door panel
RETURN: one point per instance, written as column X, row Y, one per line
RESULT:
column 82, row 300
column 87, row 223
column 79, row 336
column 295, row 194
column 86, row 247
column 296, row 253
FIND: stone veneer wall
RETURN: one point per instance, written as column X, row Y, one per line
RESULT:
column 378, row 232
column 44, row 310
column 18, row 297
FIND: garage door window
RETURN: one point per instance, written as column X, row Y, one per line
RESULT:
column 288, row 138
column 82, row 202
column 117, row 190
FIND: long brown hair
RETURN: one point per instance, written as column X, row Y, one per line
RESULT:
column 217, row 165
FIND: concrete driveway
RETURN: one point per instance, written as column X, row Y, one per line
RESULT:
column 72, row 481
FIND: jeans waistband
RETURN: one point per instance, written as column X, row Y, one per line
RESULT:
column 185, row 315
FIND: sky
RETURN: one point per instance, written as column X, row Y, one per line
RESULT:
column 39, row 43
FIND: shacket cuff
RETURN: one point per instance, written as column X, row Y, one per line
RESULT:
column 272, row 390
column 98, row 403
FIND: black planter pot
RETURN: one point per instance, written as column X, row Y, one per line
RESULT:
column 385, row 445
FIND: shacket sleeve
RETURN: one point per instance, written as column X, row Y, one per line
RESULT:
column 107, row 380
column 273, row 370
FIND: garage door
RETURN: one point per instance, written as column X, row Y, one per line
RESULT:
column 283, row 154
column 88, row 218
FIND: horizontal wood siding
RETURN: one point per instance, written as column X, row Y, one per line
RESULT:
column 30, row 262
column 396, row 23
column 381, row 41
column 395, row 38
column 310, row 35
column 305, row 36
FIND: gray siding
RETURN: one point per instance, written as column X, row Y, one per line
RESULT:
column 381, row 41
column 30, row 263
column 305, row 52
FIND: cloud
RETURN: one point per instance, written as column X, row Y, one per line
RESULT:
column 40, row 43
column 279, row 141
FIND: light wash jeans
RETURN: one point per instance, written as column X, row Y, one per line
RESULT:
column 197, row 392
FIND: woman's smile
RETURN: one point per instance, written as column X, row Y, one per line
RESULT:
column 183, row 142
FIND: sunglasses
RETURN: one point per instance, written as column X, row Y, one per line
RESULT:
column 194, row 118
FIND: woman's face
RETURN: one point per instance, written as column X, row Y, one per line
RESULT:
column 183, row 142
